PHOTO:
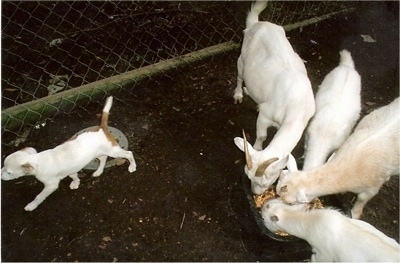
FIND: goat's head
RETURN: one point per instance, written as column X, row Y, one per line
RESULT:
column 262, row 170
column 274, row 211
column 291, row 187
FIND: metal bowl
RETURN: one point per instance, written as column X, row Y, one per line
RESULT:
column 118, row 135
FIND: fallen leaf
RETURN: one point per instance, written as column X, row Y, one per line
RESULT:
column 368, row 39
column 102, row 246
column 107, row 239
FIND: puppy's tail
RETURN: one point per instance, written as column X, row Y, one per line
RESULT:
column 346, row 59
column 106, row 112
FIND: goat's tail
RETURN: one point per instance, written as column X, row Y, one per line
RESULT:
column 256, row 8
column 346, row 59
column 106, row 111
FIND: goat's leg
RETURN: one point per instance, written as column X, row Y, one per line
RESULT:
column 238, row 96
column 362, row 199
column 262, row 126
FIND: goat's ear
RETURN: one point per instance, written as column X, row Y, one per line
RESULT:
column 274, row 218
column 29, row 150
column 291, row 164
column 301, row 197
column 240, row 144
column 283, row 189
column 280, row 164
column 28, row 168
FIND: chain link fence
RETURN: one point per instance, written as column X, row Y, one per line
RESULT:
column 57, row 56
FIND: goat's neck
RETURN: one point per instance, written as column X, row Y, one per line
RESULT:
column 298, row 223
column 287, row 137
column 304, row 224
column 327, row 179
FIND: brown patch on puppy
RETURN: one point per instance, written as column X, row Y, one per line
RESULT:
column 27, row 168
column 93, row 129
column 71, row 139
column 104, row 126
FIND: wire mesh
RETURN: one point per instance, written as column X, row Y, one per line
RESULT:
column 51, row 47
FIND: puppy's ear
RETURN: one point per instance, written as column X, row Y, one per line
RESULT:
column 274, row 218
column 301, row 197
column 28, row 168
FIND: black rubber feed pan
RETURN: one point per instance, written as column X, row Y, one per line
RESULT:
column 327, row 201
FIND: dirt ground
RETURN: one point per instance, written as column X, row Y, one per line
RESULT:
column 186, row 201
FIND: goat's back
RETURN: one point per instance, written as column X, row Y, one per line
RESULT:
column 271, row 68
column 377, row 131
column 267, row 43
column 333, row 236
column 338, row 96
column 344, row 239
column 373, row 147
column 339, row 92
column 383, row 120
column 338, row 106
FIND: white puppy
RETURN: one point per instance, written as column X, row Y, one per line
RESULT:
column 332, row 236
column 67, row 159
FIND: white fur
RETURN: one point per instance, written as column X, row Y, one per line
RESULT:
column 276, row 79
column 338, row 106
column 67, row 159
column 364, row 162
column 332, row 236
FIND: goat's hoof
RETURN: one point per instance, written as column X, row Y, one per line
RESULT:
column 31, row 206
column 238, row 99
column 74, row 185
column 132, row 168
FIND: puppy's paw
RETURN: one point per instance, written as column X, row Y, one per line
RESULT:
column 97, row 173
column 31, row 206
column 74, row 185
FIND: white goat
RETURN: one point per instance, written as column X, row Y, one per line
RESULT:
column 368, row 158
column 277, row 81
column 332, row 236
column 338, row 108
